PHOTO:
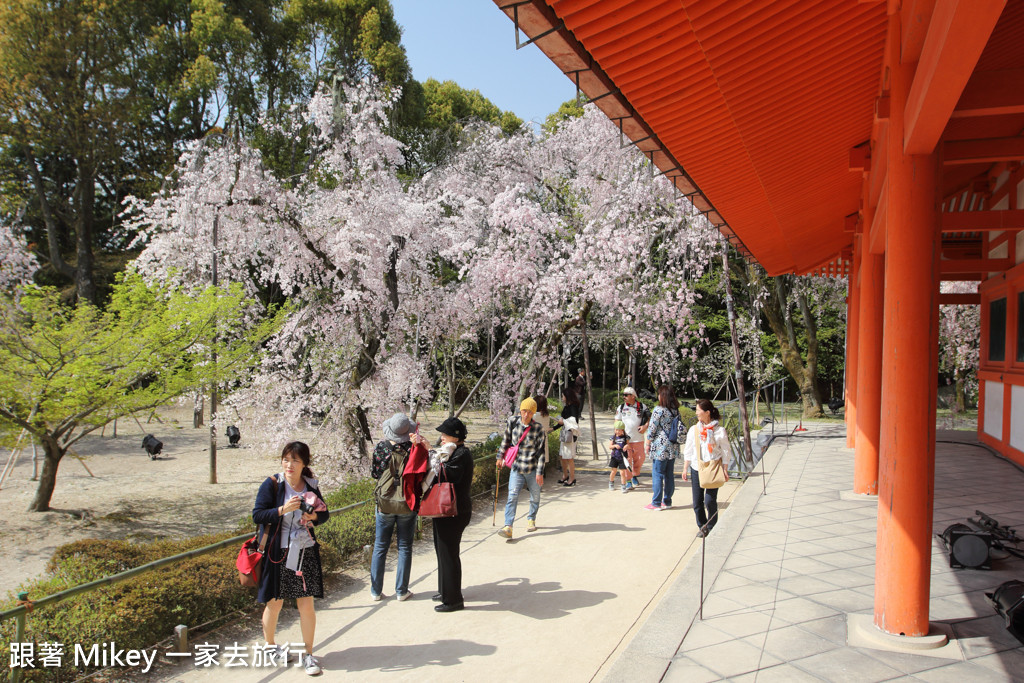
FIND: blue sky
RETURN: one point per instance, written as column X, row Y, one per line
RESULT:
column 472, row 42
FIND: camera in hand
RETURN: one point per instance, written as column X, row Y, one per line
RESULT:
column 305, row 507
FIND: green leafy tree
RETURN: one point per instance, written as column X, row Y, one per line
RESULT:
column 98, row 96
column 436, row 128
column 67, row 371
column 75, row 119
column 570, row 109
column 448, row 105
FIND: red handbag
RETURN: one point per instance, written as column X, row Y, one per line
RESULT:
column 513, row 451
column 250, row 556
column 440, row 500
column 249, row 563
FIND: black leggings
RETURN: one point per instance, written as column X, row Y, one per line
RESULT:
column 705, row 502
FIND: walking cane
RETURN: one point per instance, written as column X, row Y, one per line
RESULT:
column 497, row 480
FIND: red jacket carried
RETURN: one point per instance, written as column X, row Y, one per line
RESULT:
column 414, row 474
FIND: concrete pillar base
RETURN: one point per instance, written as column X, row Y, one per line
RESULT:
column 862, row 632
column 858, row 497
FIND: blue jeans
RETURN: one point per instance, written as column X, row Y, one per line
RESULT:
column 385, row 528
column 516, row 482
column 663, row 481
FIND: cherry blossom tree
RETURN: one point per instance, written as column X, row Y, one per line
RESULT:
column 17, row 263
column 573, row 229
column 960, row 342
column 524, row 235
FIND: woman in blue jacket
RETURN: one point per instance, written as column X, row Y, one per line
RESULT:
column 291, row 563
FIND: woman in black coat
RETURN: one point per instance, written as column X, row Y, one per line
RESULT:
column 278, row 513
column 458, row 469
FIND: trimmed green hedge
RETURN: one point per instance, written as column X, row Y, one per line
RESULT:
column 347, row 532
column 135, row 613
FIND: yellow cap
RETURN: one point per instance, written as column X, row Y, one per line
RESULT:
column 528, row 404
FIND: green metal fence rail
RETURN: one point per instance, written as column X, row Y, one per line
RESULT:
column 25, row 606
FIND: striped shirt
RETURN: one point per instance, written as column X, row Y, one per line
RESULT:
column 531, row 450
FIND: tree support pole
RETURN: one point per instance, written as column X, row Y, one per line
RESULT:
column 590, row 389
column 480, row 381
column 213, row 385
column 741, row 393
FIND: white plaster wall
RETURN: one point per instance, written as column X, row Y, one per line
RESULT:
column 1000, row 251
column 1020, row 236
column 1017, row 417
column 994, row 409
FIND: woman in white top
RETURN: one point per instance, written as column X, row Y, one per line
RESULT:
column 707, row 441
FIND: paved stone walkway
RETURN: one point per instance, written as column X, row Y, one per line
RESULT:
column 782, row 581
column 557, row 603
column 606, row 590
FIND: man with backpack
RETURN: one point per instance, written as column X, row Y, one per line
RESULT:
column 635, row 416
column 396, row 458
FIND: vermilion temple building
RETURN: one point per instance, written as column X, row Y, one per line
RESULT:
column 876, row 140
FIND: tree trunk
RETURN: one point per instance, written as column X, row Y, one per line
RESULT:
column 960, row 389
column 451, row 386
column 86, row 204
column 811, row 327
column 198, row 406
column 52, row 228
column 52, row 455
column 775, row 309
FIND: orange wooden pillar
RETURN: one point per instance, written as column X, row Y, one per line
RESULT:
column 852, row 332
column 869, row 371
column 909, row 369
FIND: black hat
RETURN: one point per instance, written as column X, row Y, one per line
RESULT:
column 453, row 426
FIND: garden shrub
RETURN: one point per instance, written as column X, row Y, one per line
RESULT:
column 135, row 613
column 347, row 532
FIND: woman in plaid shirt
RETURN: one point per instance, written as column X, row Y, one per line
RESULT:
column 528, row 468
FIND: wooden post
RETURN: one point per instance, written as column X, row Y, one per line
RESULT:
column 852, row 340
column 590, row 390
column 869, row 373
column 213, row 385
column 740, row 388
column 906, row 473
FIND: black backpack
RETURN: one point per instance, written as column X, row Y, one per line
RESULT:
column 673, row 429
column 388, row 491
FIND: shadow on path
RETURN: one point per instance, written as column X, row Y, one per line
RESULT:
column 392, row 658
column 534, row 600
column 594, row 527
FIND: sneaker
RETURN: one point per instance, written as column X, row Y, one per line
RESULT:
column 627, row 487
column 311, row 666
column 377, row 598
column 666, row 507
column 277, row 655
column 402, row 597
column 652, row 506
column 611, row 486
column 506, row 531
column 635, row 482
column 531, row 525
